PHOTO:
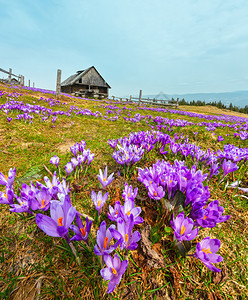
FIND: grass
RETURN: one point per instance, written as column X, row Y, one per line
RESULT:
column 33, row 264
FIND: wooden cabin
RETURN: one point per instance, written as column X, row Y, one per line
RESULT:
column 86, row 83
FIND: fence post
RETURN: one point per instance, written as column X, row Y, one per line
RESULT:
column 130, row 98
column 33, row 84
column 113, row 98
column 10, row 73
column 23, row 80
column 140, row 94
column 177, row 102
column 58, row 86
column 29, row 82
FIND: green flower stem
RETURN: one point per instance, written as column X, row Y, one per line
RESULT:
column 75, row 254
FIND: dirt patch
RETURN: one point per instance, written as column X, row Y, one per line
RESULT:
column 31, row 144
column 65, row 147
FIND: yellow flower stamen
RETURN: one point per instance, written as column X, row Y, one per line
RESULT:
column 206, row 250
column 182, row 230
column 60, row 221
column 83, row 231
column 99, row 202
column 105, row 244
column 126, row 238
column 114, row 271
column 128, row 213
column 205, row 217
column 43, row 203
column 155, row 194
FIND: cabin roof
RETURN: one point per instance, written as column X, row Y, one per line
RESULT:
column 79, row 74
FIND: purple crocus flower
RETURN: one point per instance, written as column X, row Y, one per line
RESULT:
column 214, row 170
column 114, row 271
column 104, row 236
column 74, row 149
column 62, row 215
column 7, row 197
column 63, row 188
column 114, row 213
column 74, row 162
column 206, row 252
column 80, row 159
column 220, row 138
column 129, row 209
column 68, row 168
column 124, row 232
column 23, row 206
column 104, row 179
column 42, row 200
column 90, row 158
column 112, row 143
column 183, row 228
column 212, row 215
column 52, row 185
column 228, row 167
column 55, row 161
column 99, row 200
column 9, row 119
column 155, row 191
column 129, row 193
column 8, row 180
column 82, row 231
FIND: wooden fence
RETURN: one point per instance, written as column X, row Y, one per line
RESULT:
column 20, row 78
column 147, row 101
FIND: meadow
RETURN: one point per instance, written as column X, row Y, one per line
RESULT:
column 175, row 206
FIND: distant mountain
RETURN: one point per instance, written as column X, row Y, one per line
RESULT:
column 238, row 98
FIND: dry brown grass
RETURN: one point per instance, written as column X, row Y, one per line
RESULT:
column 208, row 109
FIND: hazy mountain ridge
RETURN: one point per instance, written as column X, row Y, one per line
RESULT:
column 237, row 98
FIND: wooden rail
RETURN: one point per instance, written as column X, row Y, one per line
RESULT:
column 146, row 101
column 20, row 78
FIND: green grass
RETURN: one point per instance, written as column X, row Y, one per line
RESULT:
column 34, row 264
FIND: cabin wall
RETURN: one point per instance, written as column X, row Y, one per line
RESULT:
column 92, row 78
column 66, row 89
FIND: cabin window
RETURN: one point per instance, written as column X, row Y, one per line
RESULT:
column 80, row 80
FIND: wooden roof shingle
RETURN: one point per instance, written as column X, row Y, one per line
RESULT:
column 80, row 74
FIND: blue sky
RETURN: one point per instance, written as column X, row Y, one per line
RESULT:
column 180, row 46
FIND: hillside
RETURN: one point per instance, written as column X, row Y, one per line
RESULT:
column 159, row 222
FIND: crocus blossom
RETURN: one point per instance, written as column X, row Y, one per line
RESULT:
column 23, row 206
column 82, row 231
column 68, row 168
column 124, row 232
column 114, row 271
column 62, row 215
column 183, row 228
column 104, row 178
column 129, row 193
column 104, row 236
column 7, row 197
column 99, row 200
column 228, row 167
column 42, row 200
column 8, row 180
column 206, row 252
column 114, row 213
column 55, row 161
column 212, row 215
